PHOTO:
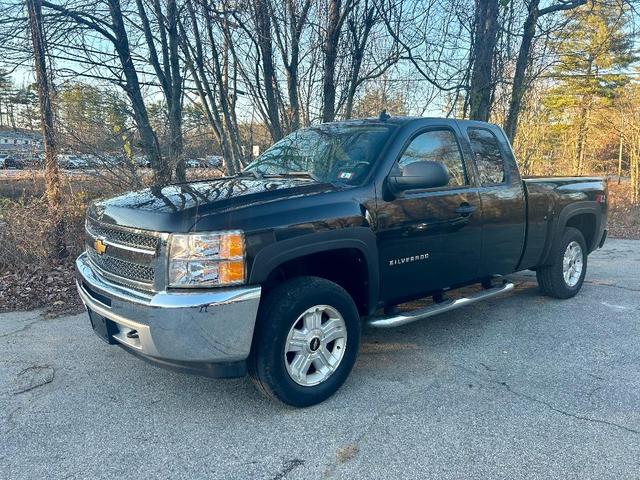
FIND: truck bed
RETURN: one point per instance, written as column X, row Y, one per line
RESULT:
column 550, row 200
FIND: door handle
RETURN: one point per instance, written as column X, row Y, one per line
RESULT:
column 465, row 209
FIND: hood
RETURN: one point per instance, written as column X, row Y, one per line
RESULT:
column 175, row 208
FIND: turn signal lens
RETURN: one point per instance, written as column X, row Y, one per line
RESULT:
column 231, row 245
column 231, row 272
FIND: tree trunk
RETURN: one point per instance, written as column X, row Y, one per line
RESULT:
column 517, row 91
column 148, row 139
column 620, row 152
column 635, row 177
column 486, row 35
column 292, row 86
column 330, row 57
column 210, row 90
column 175, row 107
column 57, row 245
column 519, row 77
column 583, row 126
column 228, row 120
column 357, row 59
column 263, row 22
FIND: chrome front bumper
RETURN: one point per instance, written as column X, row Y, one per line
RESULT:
column 192, row 331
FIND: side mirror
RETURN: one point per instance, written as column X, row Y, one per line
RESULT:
column 418, row 175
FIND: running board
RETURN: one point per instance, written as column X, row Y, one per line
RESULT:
column 435, row 309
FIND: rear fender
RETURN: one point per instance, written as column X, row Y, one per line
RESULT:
column 566, row 214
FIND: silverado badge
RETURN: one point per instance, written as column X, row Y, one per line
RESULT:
column 100, row 246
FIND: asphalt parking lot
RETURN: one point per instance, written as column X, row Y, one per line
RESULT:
column 521, row 386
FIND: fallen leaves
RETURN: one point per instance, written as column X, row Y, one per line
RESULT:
column 40, row 286
column 624, row 217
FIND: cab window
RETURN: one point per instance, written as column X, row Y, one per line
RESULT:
column 487, row 155
column 439, row 146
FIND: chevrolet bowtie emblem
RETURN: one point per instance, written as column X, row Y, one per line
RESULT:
column 100, row 246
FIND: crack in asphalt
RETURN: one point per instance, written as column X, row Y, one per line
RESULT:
column 612, row 285
column 288, row 467
column 48, row 374
column 564, row 412
column 21, row 329
column 547, row 404
column 10, row 419
column 387, row 411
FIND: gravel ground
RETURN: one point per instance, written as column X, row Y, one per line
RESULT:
column 517, row 387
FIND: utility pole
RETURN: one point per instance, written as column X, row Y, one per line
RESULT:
column 57, row 245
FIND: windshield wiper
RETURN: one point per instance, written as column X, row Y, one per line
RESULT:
column 300, row 174
column 251, row 173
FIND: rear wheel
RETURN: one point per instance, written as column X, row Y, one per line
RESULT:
column 306, row 341
column 563, row 278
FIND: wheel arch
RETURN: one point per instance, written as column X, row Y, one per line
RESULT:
column 346, row 256
column 583, row 216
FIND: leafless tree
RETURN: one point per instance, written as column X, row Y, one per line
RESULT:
column 337, row 11
column 112, row 28
column 520, row 80
column 58, row 249
column 167, row 67
column 484, row 44
column 208, row 61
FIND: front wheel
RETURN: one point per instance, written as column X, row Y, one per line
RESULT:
column 306, row 341
column 563, row 278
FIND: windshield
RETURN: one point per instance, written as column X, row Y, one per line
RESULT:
column 327, row 153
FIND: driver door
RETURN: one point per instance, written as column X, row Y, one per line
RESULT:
column 429, row 239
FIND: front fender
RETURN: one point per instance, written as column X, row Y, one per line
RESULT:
column 360, row 238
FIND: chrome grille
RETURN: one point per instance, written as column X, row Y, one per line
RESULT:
column 130, row 255
column 122, row 268
column 124, row 237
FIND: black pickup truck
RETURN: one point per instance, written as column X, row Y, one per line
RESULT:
column 273, row 271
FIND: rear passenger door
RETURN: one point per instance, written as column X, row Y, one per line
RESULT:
column 502, row 199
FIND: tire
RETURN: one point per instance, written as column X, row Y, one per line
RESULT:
column 551, row 278
column 281, row 325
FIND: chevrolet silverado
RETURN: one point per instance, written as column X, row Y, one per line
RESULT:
column 273, row 271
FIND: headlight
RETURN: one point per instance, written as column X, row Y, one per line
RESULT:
column 207, row 259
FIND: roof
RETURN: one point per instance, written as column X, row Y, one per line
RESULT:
column 404, row 120
column 19, row 134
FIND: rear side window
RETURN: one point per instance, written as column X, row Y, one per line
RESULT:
column 438, row 146
column 487, row 155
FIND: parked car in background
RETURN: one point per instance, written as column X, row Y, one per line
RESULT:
column 213, row 161
column 142, row 161
column 193, row 163
column 72, row 162
column 11, row 163
column 115, row 160
column 34, row 162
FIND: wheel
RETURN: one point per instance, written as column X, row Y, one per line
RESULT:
column 306, row 341
column 564, row 276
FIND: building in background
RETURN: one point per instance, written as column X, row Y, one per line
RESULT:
column 20, row 143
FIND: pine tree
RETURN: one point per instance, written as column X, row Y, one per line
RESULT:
column 592, row 50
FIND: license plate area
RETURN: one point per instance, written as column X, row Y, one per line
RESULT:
column 103, row 327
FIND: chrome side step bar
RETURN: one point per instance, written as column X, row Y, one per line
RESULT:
column 435, row 309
